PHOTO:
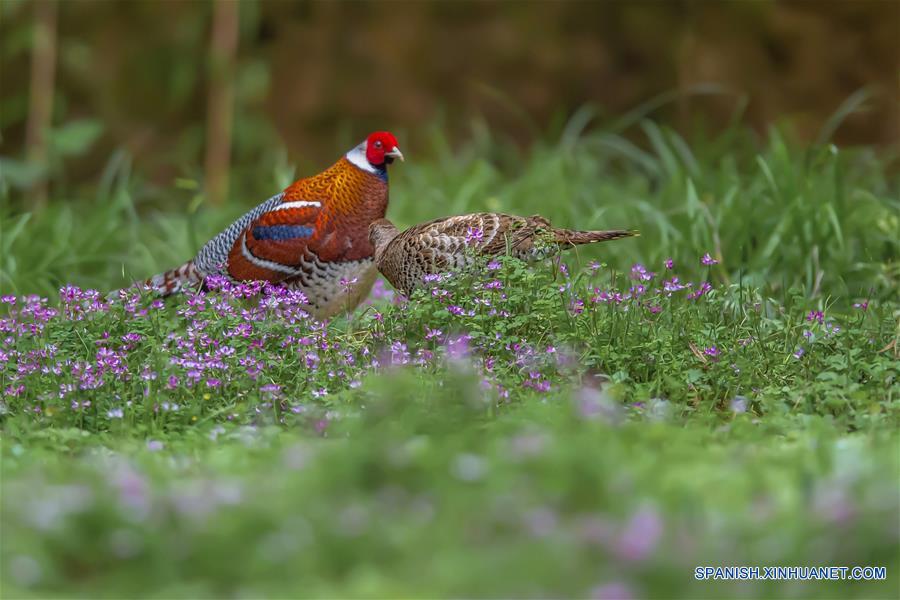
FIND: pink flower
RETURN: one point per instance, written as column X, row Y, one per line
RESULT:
column 704, row 288
column 380, row 291
column 673, row 285
column 347, row 284
column 640, row 273
column 641, row 534
column 458, row 347
column 612, row 591
column 474, row 235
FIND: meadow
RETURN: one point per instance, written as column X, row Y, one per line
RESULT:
column 720, row 391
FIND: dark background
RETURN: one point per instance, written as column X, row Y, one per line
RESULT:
column 149, row 77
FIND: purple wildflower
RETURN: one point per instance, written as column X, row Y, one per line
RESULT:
column 69, row 294
column 131, row 338
column 536, row 382
column 640, row 273
column 708, row 260
column 399, row 353
column 640, row 536
column 271, row 388
column 669, row 263
column 347, row 285
column 380, row 291
column 700, row 291
column 596, row 404
column 738, row 404
column 14, row 390
column 474, row 235
column 816, row 315
column 458, row 347
column 673, row 285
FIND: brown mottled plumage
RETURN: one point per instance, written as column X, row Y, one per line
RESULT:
column 312, row 237
column 452, row 243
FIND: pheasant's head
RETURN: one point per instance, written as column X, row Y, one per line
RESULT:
column 382, row 149
column 381, row 232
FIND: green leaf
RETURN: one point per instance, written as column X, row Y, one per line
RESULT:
column 75, row 137
column 19, row 174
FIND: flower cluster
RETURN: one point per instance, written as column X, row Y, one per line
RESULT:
column 252, row 353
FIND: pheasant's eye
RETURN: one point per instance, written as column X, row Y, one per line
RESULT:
column 378, row 144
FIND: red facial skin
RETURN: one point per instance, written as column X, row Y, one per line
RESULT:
column 377, row 145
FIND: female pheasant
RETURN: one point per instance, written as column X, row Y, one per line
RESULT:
column 453, row 243
column 313, row 236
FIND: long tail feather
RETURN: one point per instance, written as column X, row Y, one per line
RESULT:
column 185, row 277
column 574, row 238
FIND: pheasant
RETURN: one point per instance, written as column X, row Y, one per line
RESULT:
column 313, row 236
column 454, row 243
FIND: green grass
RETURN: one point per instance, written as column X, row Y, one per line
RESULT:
column 778, row 217
column 544, row 439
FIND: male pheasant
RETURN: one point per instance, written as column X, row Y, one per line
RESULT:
column 453, row 243
column 313, row 236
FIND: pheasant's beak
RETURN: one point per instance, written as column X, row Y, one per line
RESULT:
column 395, row 153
